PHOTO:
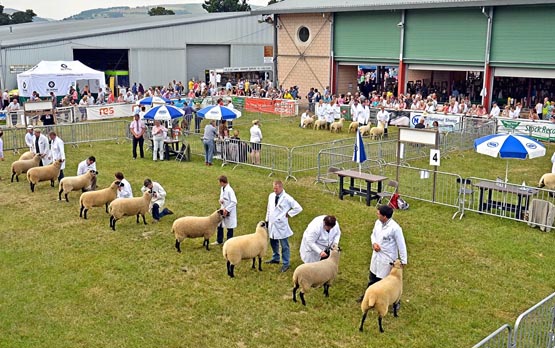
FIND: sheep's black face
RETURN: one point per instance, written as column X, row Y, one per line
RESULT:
column 262, row 223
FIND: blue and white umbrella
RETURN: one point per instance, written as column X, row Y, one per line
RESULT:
column 164, row 113
column 509, row 146
column 154, row 100
column 359, row 153
column 217, row 112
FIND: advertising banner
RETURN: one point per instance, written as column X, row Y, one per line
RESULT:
column 103, row 112
column 447, row 122
column 272, row 106
column 540, row 130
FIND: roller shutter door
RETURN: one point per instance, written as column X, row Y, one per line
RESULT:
column 202, row 57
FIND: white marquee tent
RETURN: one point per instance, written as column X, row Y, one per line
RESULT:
column 57, row 77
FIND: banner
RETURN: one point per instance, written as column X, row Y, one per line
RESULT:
column 103, row 112
column 272, row 106
column 540, row 130
column 450, row 122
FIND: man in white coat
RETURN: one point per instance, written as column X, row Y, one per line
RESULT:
column 42, row 147
column 357, row 111
column 57, row 152
column 30, row 139
column 281, row 206
column 124, row 190
column 86, row 166
column 158, row 199
column 383, row 116
column 320, row 236
column 228, row 203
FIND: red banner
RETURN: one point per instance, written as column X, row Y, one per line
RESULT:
column 273, row 106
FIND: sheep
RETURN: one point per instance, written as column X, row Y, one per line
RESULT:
column 365, row 129
column 121, row 207
column 308, row 121
column 319, row 124
column 382, row 294
column 377, row 132
column 195, row 227
column 98, row 198
column 353, row 126
column 23, row 165
column 49, row 172
column 547, row 180
column 74, row 183
column 337, row 126
column 316, row 274
column 246, row 247
column 26, row 155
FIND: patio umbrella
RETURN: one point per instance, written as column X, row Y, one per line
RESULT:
column 164, row 113
column 217, row 112
column 509, row 146
column 359, row 153
column 154, row 100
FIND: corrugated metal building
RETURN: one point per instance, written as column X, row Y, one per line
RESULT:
column 155, row 50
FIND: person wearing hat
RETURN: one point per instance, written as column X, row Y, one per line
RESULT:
column 41, row 146
column 138, row 129
column 256, row 139
column 29, row 138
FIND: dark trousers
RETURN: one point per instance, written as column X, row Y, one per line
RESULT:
column 140, row 142
column 220, row 236
column 156, row 213
column 198, row 120
column 372, row 278
column 61, row 176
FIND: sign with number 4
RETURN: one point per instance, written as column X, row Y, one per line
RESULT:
column 434, row 157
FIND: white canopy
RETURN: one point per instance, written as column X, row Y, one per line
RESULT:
column 57, row 77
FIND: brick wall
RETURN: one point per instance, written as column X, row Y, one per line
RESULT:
column 346, row 79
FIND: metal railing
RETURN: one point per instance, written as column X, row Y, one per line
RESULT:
column 500, row 338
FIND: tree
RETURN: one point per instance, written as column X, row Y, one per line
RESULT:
column 271, row 2
column 22, row 17
column 4, row 18
column 226, row 6
column 160, row 11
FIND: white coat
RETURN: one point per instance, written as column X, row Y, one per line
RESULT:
column 228, row 201
column 316, row 239
column 44, row 149
column 30, row 141
column 392, row 244
column 158, row 195
column 276, row 215
column 125, row 191
column 553, row 161
column 57, row 151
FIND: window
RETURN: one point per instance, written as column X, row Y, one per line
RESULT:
column 303, row 34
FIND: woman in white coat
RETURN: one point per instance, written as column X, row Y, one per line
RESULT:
column 228, row 203
column 319, row 238
column 281, row 207
column 57, row 152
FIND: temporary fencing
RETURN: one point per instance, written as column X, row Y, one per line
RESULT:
column 500, row 338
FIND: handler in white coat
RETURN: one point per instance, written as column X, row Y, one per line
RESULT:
column 42, row 147
column 158, row 199
column 322, row 234
column 281, row 206
column 57, row 152
column 228, row 203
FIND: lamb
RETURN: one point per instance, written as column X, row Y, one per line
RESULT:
column 195, row 227
column 49, row 172
column 121, row 207
column 308, row 121
column 353, row 126
column 365, row 129
column 319, row 124
column 74, row 183
column 377, row 132
column 316, row 274
column 98, row 198
column 246, row 247
column 26, row 155
column 23, row 165
column 337, row 126
column 384, row 293
column 547, row 180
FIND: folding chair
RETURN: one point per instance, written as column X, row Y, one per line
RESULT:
column 184, row 153
column 465, row 189
column 388, row 192
column 331, row 180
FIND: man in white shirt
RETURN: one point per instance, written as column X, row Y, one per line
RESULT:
column 86, row 166
column 30, row 139
column 125, row 190
column 320, row 236
column 321, row 110
column 304, row 116
column 42, row 147
column 14, row 105
column 228, row 203
column 518, row 108
column 539, row 109
column 281, row 206
column 158, row 199
column 383, row 116
column 365, row 113
column 495, row 111
column 57, row 152
column 357, row 111
column 5, row 99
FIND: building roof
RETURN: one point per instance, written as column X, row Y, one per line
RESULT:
column 315, row 6
column 48, row 32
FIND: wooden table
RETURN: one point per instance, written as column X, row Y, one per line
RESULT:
column 523, row 197
column 352, row 190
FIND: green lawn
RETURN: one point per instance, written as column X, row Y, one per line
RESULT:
column 67, row 282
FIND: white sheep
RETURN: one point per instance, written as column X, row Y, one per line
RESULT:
column 195, row 227
column 121, row 207
column 353, row 126
column 49, row 172
column 98, row 198
column 23, row 165
column 377, row 132
column 384, row 293
column 26, row 155
column 308, row 121
column 337, row 126
column 316, row 274
column 547, row 180
column 320, row 124
column 365, row 129
column 246, row 247
column 74, row 183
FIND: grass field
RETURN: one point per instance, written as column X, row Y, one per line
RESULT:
column 67, row 282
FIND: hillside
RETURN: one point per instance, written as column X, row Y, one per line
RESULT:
column 125, row 11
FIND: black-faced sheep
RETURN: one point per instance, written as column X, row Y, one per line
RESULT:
column 383, row 294
column 196, row 227
column 75, row 183
column 49, row 172
column 249, row 246
column 23, row 165
column 121, row 207
column 316, row 274
column 98, row 198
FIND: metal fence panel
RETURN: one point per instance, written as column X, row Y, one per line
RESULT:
column 535, row 327
column 500, row 338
